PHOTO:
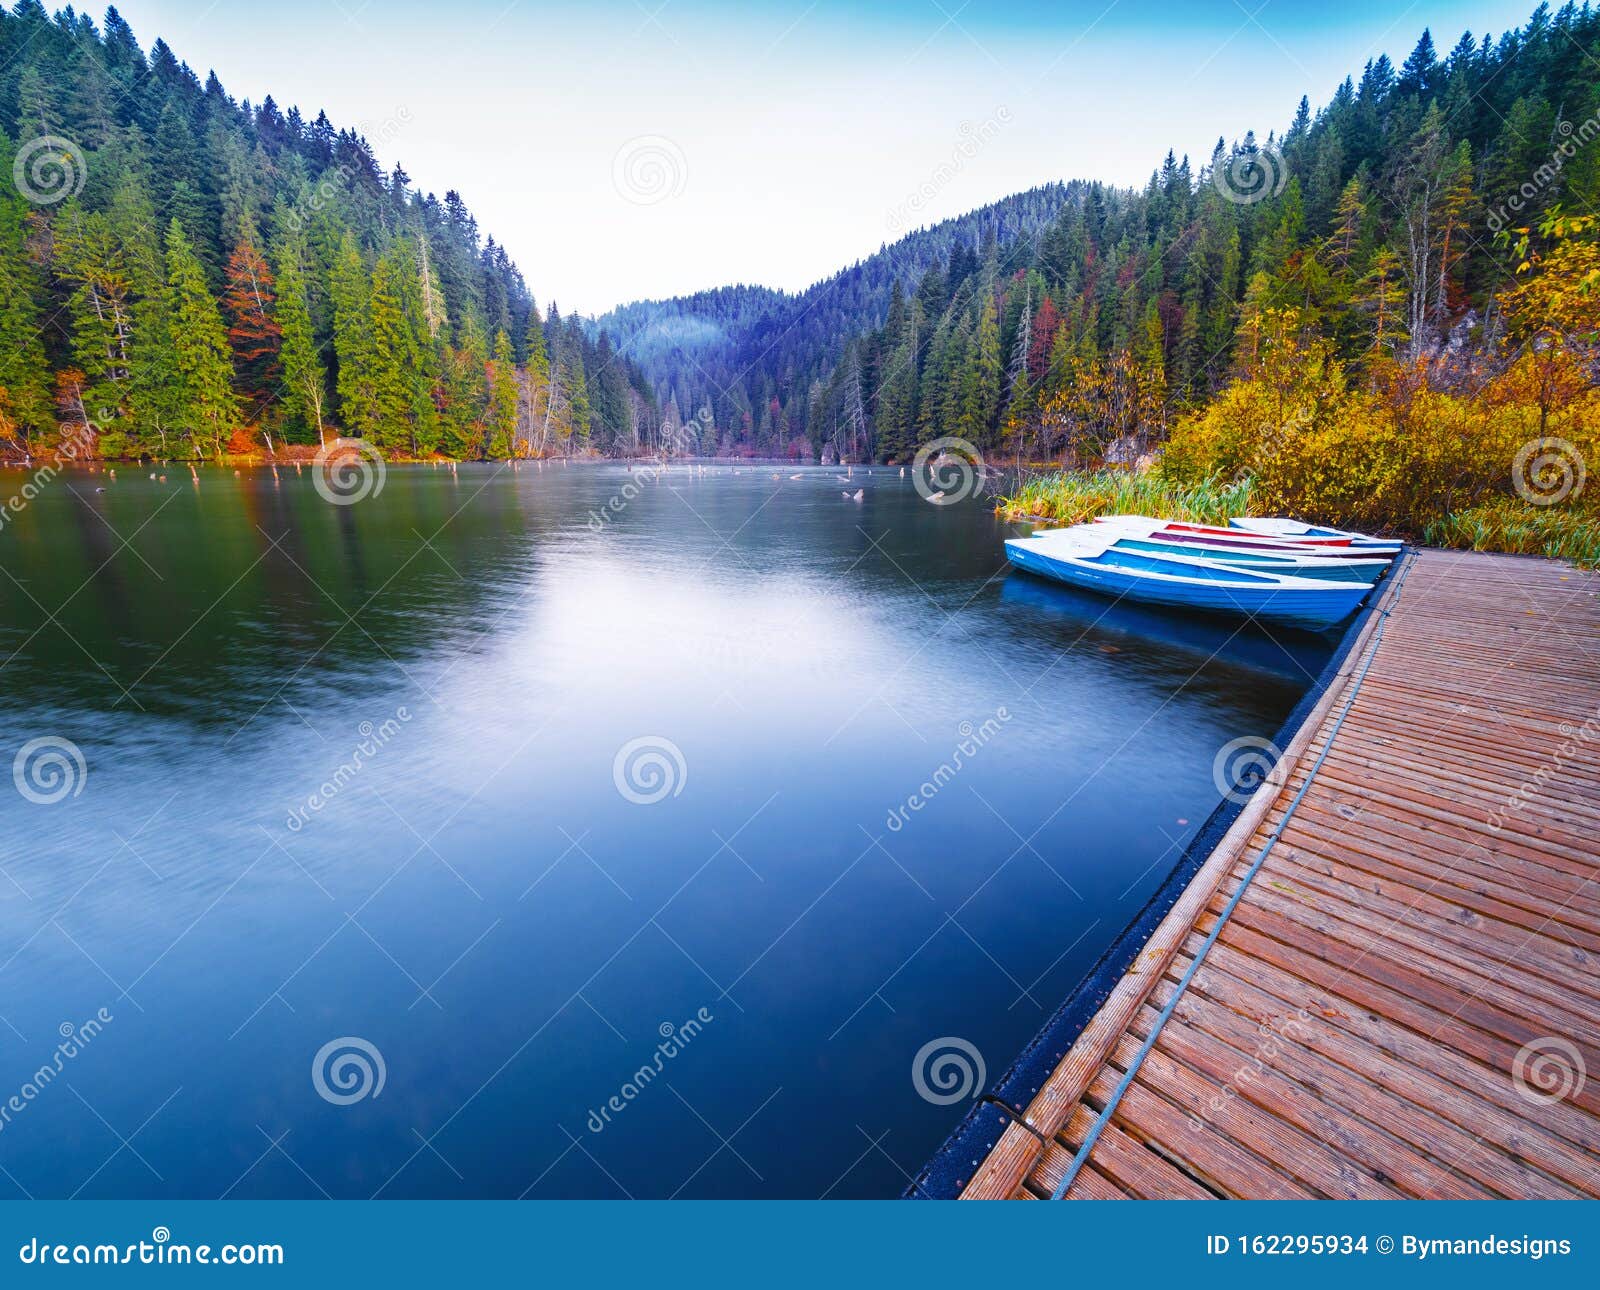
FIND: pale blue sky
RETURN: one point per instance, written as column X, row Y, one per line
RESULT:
column 776, row 142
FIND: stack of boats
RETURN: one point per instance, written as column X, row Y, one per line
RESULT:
column 1277, row 570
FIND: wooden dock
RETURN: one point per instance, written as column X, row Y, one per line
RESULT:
column 1405, row 1001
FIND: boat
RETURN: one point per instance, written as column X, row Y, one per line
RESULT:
column 1207, row 538
column 1306, row 562
column 1088, row 556
column 1292, row 562
column 1295, row 531
column 1228, row 531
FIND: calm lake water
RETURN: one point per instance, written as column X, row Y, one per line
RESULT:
column 600, row 782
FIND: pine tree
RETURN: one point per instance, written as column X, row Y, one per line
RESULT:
column 575, row 383
column 209, row 410
column 466, row 395
column 405, row 357
column 502, row 411
column 88, row 258
column 981, row 385
column 353, row 342
column 537, row 385
column 25, row 410
column 305, row 383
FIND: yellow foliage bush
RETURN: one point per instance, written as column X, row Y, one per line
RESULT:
column 1397, row 457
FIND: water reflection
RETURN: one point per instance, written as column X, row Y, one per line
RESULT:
column 472, row 894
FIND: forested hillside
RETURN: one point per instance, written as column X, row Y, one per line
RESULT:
column 185, row 275
column 752, row 355
column 1374, row 218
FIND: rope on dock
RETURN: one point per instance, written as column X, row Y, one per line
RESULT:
column 1104, row 1118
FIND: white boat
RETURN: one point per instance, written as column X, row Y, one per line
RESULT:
column 1341, row 546
column 1134, row 535
column 1295, row 531
column 1089, row 556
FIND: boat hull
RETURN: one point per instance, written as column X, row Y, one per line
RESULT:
column 1307, row 566
column 1313, row 608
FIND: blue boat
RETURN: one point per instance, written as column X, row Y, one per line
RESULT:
column 1302, row 562
column 1089, row 557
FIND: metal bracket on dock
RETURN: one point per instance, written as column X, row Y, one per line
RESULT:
column 1018, row 1118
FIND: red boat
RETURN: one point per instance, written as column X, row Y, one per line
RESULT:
column 1235, row 534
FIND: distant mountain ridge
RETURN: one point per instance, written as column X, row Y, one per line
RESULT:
column 1080, row 317
column 769, row 344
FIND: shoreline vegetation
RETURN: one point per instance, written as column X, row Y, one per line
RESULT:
column 1383, row 318
column 1487, row 451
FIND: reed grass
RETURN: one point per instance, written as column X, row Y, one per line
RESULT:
column 1506, row 524
column 1075, row 496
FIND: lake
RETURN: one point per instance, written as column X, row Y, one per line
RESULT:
column 559, row 831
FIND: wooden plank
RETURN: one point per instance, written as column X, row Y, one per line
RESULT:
column 1018, row 1150
column 1358, row 1027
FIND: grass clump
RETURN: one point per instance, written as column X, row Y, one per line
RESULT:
column 1073, row 497
column 1508, row 524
